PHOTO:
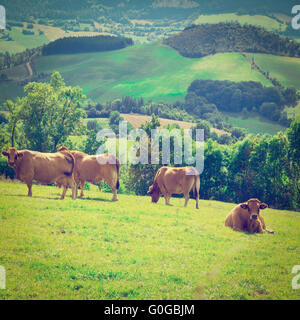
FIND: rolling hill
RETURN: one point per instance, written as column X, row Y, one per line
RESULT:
column 154, row 71
column 93, row 248
column 202, row 40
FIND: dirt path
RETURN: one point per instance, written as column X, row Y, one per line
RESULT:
column 29, row 69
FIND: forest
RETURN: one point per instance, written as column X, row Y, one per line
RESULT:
column 204, row 95
column 201, row 40
column 85, row 44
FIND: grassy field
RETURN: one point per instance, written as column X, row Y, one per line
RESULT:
column 21, row 42
column 285, row 69
column 254, row 124
column 258, row 20
column 93, row 248
column 153, row 71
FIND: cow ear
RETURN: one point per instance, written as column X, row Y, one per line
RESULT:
column 244, row 205
column 150, row 191
column 20, row 155
column 263, row 206
column 5, row 153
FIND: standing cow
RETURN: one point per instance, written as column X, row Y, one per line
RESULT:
column 44, row 168
column 94, row 169
column 169, row 180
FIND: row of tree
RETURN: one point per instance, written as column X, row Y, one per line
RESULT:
column 85, row 44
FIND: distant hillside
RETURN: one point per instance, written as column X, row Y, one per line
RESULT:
column 94, row 9
column 199, row 41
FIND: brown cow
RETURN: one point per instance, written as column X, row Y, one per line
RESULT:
column 94, row 169
column 44, row 168
column 169, row 180
column 246, row 217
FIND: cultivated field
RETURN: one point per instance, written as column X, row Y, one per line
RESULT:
column 93, row 248
column 137, row 120
column 257, row 20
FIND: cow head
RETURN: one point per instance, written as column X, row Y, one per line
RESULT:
column 253, row 206
column 13, row 156
column 154, row 191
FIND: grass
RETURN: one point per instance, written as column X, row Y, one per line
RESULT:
column 93, row 248
column 254, row 124
column 153, row 71
column 10, row 90
column 21, row 42
column 258, row 20
column 285, row 69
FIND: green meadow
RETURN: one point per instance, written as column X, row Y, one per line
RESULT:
column 93, row 248
column 154, row 71
column 285, row 69
column 258, row 20
column 21, row 42
column 254, row 124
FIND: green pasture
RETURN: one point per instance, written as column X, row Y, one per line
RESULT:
column 21, row 42
column 284, row 69
column 254, row 123
column 257, row 20
column 93, row 248
column 153, row 71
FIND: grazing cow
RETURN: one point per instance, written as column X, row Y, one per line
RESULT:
column 170, row 180
column 94, row 169
column 246, row 217
column 44, row 168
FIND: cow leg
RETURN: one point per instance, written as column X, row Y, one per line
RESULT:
column 82, row 183
column 115, row 198
column 64, row 192
column 197, row 201
column 112, row 185
column 29, row 185
column 167, row 199
column 186, row 197
column 74, row 189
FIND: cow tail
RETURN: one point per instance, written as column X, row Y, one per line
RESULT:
column 118, row 173
column 70, row 158
column 196, row 185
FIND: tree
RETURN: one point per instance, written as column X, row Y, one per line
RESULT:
column 14, row 118
column 203, row 124
column 50, row 113
column 114, row 120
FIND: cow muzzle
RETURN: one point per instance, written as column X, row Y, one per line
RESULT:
column 11, row 164
column 254, row 216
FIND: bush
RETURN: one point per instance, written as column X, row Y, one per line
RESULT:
column 5, row 170
column 27, row 32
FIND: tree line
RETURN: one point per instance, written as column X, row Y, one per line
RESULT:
column 205, row 97
column 85, row 44
column 201, row 40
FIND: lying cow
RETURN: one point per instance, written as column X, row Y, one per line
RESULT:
column 94, row 169
column 246, row 217
column 170, row 180
column 44, row 168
